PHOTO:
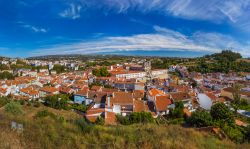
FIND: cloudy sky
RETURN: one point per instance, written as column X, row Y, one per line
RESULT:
column 186, row 28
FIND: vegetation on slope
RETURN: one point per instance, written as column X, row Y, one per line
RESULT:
column 50, row 128
column 225, row 62
column 47, row 132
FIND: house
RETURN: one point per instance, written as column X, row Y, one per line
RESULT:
column 160, row 73
column 96, row 88
column 98, row 98
column 66, row 90
column 228, row 92
column 140, row 106
column 29, row 92
column 129, row 85
column 93, row 113
column 128, row 74
column 4, row 91
column 120, row 103
column 48, row 90
column 138, row 94
column 183, row 97
column 151, row 94
column 159, row 101
column 81, row 96
column 162, row 104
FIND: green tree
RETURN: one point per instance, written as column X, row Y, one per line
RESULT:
column 101, row 72
column 222, row 113
column 200, row 118
column 57, row 101
column 6, row 75
column 59, row 68
column 236, row 97
column 177, row 112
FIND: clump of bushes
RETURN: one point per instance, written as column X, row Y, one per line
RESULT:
column 58, row 101
column 37, row 104
column 200, row 118
column 3, row 101
column 46, row 113
column 136, row 117
column 14, row 108
column 219, row 116
column 43, row 113
column 83, row 125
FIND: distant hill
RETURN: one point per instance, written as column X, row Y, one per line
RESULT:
column 227, row 55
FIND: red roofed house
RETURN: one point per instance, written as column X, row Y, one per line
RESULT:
column 160, row 100
column 93, row 113
column 120, row 103
column 48, row 90
column 29, row 92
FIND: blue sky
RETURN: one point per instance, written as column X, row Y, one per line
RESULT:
column 185, row 28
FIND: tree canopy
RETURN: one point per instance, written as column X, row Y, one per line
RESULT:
column 101, row 72
column 220, row 62
column 221, row 112
column 200, row 118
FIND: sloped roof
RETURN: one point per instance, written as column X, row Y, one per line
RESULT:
column 122, row 98
column 162, row 103
column 153, row 92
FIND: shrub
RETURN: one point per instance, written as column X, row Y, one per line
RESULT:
column 200, row 118
column 57, row 101
column 83, row 125
column 100, row 121
column 141, row 117
column 135, row 117
column 29, row 103
column 14, row 108
column 22, row 102
column 234, row 133
column 123, row 120
column 37, row 104
column 177, row 112
column 43, row 113
column 3, row 101
column 79, row 107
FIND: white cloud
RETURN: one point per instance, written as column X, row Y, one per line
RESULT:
column 236, row 12
column 163, row 39
column 33, row 28
column 73, row 12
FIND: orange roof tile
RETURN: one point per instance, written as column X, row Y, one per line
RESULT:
column 162, row 103
column 153, row 92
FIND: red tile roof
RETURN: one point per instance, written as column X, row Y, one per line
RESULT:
column 49, row 89
column 153, row 92
column 162, row 103
column 140, row 106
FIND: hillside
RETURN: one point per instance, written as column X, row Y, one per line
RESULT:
column 60, row 130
